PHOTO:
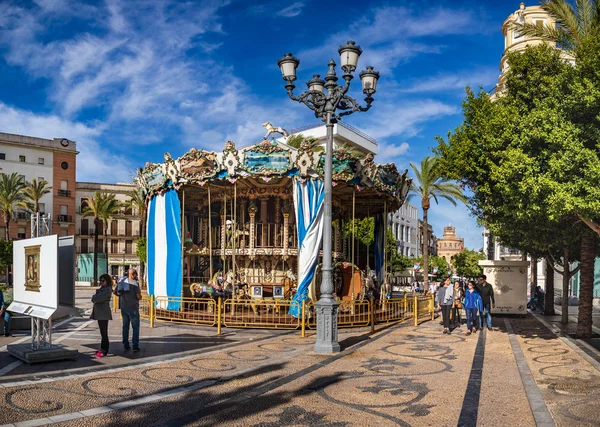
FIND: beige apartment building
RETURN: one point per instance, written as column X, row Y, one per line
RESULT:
column 123, row 231
column 450, row 244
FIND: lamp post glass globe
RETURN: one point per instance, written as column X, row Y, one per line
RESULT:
column 288, row 65
column 316, row 84
column 369, row 79
column 349, row 55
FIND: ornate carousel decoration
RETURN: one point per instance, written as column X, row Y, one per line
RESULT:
column 228, row 222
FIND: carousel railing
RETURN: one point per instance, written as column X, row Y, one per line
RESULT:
column 273, row 313
column 259, row 313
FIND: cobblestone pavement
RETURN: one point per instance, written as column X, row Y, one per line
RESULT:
column 520, row 374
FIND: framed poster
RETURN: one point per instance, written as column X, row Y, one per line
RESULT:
column 277, row 291
column 36, row 271
column 256, row 291
column 32, row 268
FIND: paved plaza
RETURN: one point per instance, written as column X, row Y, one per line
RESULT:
column 523, row 373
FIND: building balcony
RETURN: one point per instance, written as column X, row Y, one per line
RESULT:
column 64, row 218
column 20, row 216
column 64, row 193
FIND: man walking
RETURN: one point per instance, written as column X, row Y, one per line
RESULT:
column 129, row 293
column 486, row 291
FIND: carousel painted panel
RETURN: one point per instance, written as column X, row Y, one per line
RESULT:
column 267, row 158
column 198, row 165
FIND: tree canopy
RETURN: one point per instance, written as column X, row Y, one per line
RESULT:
column 466, row 263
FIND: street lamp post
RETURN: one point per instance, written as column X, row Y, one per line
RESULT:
column 330, row 106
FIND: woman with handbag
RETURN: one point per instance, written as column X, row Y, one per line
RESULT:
column 101, row 312
column 459, row 295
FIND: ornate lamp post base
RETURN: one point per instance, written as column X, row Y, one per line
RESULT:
column 327, row 328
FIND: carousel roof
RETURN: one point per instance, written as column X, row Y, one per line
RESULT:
column 269, row 160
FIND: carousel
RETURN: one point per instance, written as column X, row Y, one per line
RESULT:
column 247, row 223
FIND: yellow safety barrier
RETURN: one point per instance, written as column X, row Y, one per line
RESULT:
column 196, row 311
column 273, row 313
column 259, row 313
column 392, row 310
column 115, row 303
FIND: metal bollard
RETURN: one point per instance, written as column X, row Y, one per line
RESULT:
column 372, row 315
column 303, row 333
column 219, row 302
column 152, row 311
column 416, row 309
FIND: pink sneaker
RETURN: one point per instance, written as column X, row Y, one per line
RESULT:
column 99, row 354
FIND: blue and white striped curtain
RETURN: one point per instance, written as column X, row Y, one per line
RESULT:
column 308, row 203
column 379, row 241
column 164, row 247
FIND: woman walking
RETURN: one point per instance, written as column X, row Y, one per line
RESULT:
column 445, row 300
column 473, row 304
column 459, row 295
column 101, row 312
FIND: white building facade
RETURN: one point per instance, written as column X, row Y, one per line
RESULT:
column 405, row 225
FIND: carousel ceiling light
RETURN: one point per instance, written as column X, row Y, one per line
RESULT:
column 330, row 102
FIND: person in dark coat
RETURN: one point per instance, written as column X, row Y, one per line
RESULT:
column 102, row 313
column 486, row 291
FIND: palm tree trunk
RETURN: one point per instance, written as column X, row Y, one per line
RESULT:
column 106, row 239
column 533, row 285
column 549, row 297
column 425, row 251
column 564, row 317
column 586, row 287
column 7, row 229
column 95, row 251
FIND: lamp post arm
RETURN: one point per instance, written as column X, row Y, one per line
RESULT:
column 312, row 99
column 351, row 105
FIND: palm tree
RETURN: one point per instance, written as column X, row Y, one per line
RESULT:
column 296, row 141
column 577, row 31
column 34, row 191
column 138, row 201
column 96, row 207
column 430, row 184
column 575, row 24
column 11, row 197
column 111, row 208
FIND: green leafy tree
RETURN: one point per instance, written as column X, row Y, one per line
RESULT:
column 111, row 208
column 11, row 197
column 430, row 184
column 530, row 165
column 296, row 141
column 140, row 249
column 435, row 261
column 34, row 191
column 466, row 263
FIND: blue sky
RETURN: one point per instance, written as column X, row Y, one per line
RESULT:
column 129, row 80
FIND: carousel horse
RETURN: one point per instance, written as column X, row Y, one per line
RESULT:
column 272, row 129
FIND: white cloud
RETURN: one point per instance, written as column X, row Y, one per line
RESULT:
column 391, row 152
column 387, row 35
column 444, row 82
column 100, row 164
column 292, row 10
column 403, row 118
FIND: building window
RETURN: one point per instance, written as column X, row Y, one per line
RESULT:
column 64, row 210
column 2, row 156
column 21, row 233
column 42, row 207
column 64, row 165
column 22, row 159
column 40, row 161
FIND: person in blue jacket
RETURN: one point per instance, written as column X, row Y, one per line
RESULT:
column 472, row 305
